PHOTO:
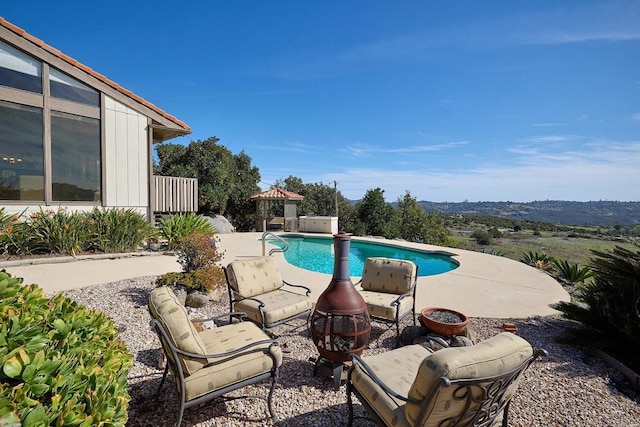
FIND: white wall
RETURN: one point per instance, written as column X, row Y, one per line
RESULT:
column 126, row 157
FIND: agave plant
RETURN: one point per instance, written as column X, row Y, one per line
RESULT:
column 179, row 226
column 571, row 272
column 540, row 261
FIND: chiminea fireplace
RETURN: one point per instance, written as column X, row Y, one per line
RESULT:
column 340, row 324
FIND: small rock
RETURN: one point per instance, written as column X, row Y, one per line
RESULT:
column 196, row 299
column 460, row 341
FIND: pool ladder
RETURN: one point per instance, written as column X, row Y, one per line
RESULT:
column 265, row 236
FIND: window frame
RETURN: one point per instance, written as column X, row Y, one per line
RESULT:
column 48, row 103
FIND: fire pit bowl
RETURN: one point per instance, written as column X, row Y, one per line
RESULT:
column 443, row 321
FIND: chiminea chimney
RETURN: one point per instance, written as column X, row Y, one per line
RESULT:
column 340, row 323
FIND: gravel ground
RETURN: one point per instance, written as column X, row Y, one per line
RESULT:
column 568, row 388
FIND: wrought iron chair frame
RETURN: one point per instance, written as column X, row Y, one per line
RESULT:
column 396, row 303
column 232, row 301
column 492, row 389
column 172, row 363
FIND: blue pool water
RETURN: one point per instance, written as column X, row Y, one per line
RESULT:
column 316, row 254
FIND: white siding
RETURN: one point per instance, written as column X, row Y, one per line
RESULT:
column 126, row 154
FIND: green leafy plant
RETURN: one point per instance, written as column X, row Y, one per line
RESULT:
column 540, row 261
column 117, row 230
column 482, row 237
column 14, row 238
column 610, row 303
column 60, row 363
column 571, row 272
column 58, row 232
column 179, row 226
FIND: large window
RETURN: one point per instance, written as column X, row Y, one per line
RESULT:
column 49, row 139
column 75, row 157
column 18, row 70
column 21, row 153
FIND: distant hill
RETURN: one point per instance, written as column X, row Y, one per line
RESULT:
column 551, row 211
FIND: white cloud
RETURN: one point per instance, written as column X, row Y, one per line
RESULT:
column 636, row 117
column 360, row 150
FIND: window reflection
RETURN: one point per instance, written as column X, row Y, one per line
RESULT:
column 66, row 87
column 75, row 157
column 18, row 70
column 21, row 152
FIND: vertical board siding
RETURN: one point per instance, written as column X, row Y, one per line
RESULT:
column 126, row 156
column 173, row 194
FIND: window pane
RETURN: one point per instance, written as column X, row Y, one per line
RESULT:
column 66, row 87
column 75, row 157
column 18, row 70
column 21, row 153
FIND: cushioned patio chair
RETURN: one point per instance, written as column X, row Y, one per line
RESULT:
column 457, row 386
column 389, row 289
column 257, row 289
column 211, row 363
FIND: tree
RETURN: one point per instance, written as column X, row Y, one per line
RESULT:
column 413, row 219
column 375, row 217
column 225, row 181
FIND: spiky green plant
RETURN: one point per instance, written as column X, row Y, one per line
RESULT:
column 610, row 303
column 540, row 261
column 571, row 272
column 58, row 232
column 179, row 226
column 117, row 230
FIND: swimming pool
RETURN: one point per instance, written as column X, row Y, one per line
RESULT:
column 316, row 254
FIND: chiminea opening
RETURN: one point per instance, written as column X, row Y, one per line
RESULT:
column 340, row 324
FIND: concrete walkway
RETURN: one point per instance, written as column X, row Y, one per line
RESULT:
column 483, row 286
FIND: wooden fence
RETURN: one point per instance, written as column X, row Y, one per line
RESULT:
column 174, row 194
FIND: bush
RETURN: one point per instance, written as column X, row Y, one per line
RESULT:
column 197, row 254
column 58, row 232
column 62, row 364
column 610, row 303
column 481, row 237
column 179, row 226
column 540, row 261
column 571, row 272
column 117, row 230
column 495, row 233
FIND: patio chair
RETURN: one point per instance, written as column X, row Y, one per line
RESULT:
column 208, row 364
column 389, row 290
column 257, row 289
column 457, row 386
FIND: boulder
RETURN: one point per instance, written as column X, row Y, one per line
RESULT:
column 197, row 299
column 221, row 224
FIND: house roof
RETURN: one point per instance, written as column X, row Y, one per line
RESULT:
column 277, row 194
column 163, row 132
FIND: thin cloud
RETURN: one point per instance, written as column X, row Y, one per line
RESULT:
column 550, row 138
column 364, row 151
column 548, row 125
column 636, row 117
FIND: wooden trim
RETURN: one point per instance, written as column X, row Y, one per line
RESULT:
column 151, row 182
column 23, row 97
column 103, row 150
column 175, row 194
column 74, row 108
column 46, row 136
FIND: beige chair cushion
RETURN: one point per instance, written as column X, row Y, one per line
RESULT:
column 165, row 308
column 254, row 276
column 397, row 369
column 279, row 305
column 388, row 275
column 237, row 368
column 495, row 356
column 379, row 304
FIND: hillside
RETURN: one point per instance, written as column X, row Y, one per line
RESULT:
column 552, row 211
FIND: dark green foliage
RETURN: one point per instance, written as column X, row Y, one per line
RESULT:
column 58, row 232
column 225, row 181
column 495, row 233
column 378, row 217
column 117, row 230
column 61, row 364
column 610, row 303
column 178, row 226
column 571, row 272
column 482, row 237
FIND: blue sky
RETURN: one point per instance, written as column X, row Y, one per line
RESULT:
column 453, row 101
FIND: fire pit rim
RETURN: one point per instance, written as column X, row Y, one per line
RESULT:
column 443, row 328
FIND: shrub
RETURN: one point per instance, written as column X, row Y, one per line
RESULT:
column 610, row 303
column 571, row 272
column 481, row 237
column 495, row 233
column 58, row 232
column 117, row 230
column 179, row 226
column 62, row 364
column 14, row 238
column 540, row 261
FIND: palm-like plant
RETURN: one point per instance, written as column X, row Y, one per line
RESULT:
column 610, row 303
column 179, row 226
column 571, row 272
column 540, row 261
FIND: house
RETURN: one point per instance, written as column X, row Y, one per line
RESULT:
column 72, row 137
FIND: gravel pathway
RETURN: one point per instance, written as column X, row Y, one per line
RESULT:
column 568, row 388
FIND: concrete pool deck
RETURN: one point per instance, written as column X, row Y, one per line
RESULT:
column 483, row 286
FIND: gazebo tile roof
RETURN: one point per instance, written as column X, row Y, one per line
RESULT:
column 277, row 194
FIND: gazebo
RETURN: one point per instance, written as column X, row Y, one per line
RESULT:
column 264, row 202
